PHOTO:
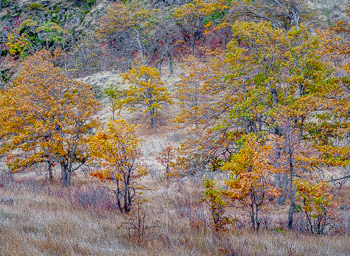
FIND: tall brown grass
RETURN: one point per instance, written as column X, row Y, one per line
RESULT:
column 46, row 219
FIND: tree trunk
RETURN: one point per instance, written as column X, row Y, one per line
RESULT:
column 285, row 182
column 280, row 180
column 153, row 119
column 170, row 63
column 278, row 186
column 283, row 185
column 50, row 170
column 127, row 196
column 292, row 196
column 66, row 175
column 291, row 214
column 257, row 220
column 252, row 216
column 254, row 212
column 160, row 67
column 117, row 195
column 301, row 128
column 140, row 46
column 154, row 123
column 193, row 44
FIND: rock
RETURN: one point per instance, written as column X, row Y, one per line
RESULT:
column 7, row 200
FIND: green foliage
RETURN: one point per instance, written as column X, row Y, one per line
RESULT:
column 91, row 2
column 51, row 32
column 213, row 197
column 35, row 6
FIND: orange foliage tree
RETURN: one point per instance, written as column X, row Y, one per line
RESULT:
column 251, row 177
column 116, row 151
column 337, row 48
column 46, row 117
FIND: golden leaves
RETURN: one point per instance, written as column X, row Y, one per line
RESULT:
column 44, row 114
column 124, row 16
column 317, row 202
column 116, row 151
column 250, row 169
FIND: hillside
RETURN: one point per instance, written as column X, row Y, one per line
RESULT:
column 174, row 127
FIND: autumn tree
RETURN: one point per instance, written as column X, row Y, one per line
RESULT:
column 283, row 14
column 251, row 177
column 127, row 26
column 264, row 72
column 336, row 149
column 190, row 22
column 164, row 42
column 113, row 93
column 17, row 44
column 116, row 151
column 87, row 56
column 167, row 159
column 46, row 117
column 318, row 204
column 146, row 92
column 337, row 45
column 31, row 35
column 195, row 17
column 204, row 96
column 297, row 158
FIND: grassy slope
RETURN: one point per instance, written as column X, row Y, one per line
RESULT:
column 48, row 220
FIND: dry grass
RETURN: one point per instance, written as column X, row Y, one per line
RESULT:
column 44, row 221
column 330, row 9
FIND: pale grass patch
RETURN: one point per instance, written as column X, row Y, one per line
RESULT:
column 330, row 9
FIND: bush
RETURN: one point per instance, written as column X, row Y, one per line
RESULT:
column 91, row 197
column 35, row 6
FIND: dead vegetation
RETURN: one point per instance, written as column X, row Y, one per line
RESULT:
column 46, row 219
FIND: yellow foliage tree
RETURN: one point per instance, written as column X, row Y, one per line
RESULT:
column 116, row 151
column 146, row 92
column 272, row 82
column 191, row 17
column 17, row 44
column 318, row 204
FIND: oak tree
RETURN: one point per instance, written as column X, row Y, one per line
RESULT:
column 146, row 92
column 116, row 151
column 251, row 177
column 46, row 117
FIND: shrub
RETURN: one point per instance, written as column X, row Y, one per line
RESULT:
column 35, row 6
column 91, row 197
column 317, row 204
